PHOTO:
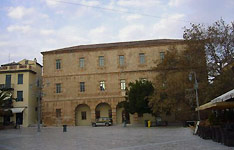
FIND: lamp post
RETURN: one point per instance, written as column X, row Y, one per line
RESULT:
column 39, row 112
column 195, row 87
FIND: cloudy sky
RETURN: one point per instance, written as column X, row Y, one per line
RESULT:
column 28, row 27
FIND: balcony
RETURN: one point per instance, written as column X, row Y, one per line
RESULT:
column 16, row 68
column 6, row 87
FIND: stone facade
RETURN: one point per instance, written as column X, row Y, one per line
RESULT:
column 72, row 78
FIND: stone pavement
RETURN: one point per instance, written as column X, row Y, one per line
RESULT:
column 105, row 138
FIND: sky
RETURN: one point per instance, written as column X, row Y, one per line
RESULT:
column 28, row 27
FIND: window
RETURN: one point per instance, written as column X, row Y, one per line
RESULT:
column 19, row 96
column 142, row 58
column 82, row 86
column 162, row 55
column 82, row 62
column 58, row 88
column 58, row 64
column 97, row 114
column 58, row 113
column 20, row 78
column 26, row 62
column 83, row 115
column 8, row 81
column 101, row 61
column 102, row 85
column 121, row 60
column 122, row 84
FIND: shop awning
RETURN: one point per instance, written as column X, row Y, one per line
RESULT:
column 17, row 110
column 219, row 105
column 224, row 101
column 225, row 97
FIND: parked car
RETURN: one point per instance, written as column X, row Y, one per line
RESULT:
column 102, row 121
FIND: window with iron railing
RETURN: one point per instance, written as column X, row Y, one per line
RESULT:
column 122, row 84
column 102, row 85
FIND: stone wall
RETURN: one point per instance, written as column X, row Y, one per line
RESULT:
column 71, row 74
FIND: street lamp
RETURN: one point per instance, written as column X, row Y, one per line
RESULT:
column 39, row 112
column 195, row 87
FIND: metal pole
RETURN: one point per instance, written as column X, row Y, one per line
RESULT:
column 196, row 87
column 39, row 113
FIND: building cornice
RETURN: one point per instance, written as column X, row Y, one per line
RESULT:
column 100, row 73
column 111, row 46
column 16, row 71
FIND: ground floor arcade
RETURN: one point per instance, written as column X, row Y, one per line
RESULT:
column 83, row 112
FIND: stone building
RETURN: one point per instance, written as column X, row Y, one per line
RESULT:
column 22, row 79
column 85, row 82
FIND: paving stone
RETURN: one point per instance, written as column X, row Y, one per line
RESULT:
column 105, row 138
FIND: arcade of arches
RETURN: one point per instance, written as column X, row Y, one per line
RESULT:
column 84, row 112
column 103, row 109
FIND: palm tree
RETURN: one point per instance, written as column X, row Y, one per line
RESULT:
column 5, row 102
column 5, row 99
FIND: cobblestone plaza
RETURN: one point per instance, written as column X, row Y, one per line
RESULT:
column 105, row 138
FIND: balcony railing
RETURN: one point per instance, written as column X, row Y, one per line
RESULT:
column 16, row 67
column 6, row 86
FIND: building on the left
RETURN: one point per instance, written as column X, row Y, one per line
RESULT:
column 23, row 80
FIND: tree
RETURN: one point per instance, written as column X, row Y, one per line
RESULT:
column 138, row 97
column 218, row 41
column 5, row 99
column 208, row 52
column 174, row 91
column 5, row 102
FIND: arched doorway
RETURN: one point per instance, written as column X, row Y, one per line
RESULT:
column 103, row 110
column 83, row 115
column 121, row 114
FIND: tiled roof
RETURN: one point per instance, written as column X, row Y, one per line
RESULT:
column 115, row 45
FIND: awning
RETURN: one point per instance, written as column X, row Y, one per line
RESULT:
column 227, row 96
column 219, row 105
column 224, row 101
column 17, row 110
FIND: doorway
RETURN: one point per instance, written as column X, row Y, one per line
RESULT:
column 19, row 118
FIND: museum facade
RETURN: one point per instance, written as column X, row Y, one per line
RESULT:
column 83, row 83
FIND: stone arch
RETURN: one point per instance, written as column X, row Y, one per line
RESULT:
column 103, row 109
column 121, row 114
column 82, row 115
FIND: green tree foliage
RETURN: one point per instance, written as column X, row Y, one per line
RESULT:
column 218, row 41
column 138, row 96
column 175, row 92
column 5, row 101
column 209, row 52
